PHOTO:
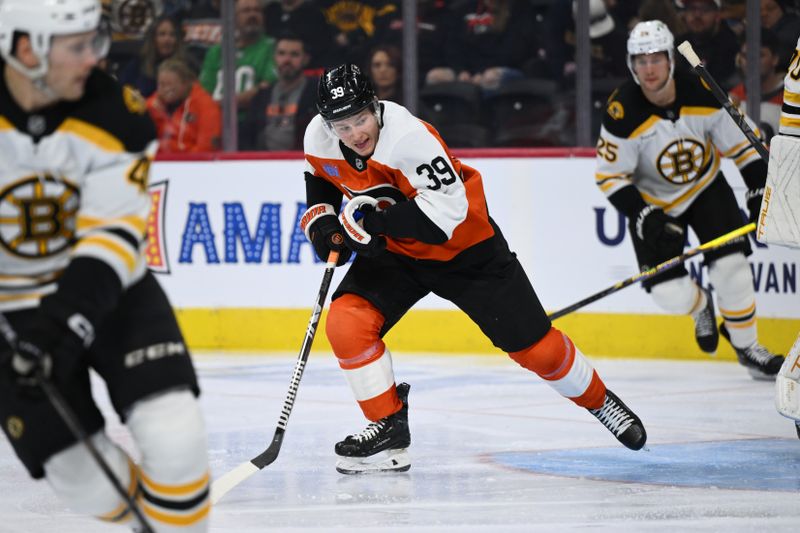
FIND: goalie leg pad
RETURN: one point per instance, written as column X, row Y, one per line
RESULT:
column 733, row 281
column 562, row 365
column 77, row 479
column 779, row 218
column 170, row 432
column 787, row 384
column 353, row 328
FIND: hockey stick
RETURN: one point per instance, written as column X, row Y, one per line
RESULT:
column 685, row 48
column 70, row 419
column 658, row 269
column 223, row 485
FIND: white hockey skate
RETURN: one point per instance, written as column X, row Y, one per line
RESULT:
column 364, row 452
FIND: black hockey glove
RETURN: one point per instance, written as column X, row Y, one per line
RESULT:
column 659, row 230
column 323, row 229
column 753, row 198
column 355, row 218
column 53, row 344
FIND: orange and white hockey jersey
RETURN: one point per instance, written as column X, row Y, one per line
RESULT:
column 73, row 183
column 411, row 162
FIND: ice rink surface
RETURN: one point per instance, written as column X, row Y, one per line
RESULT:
column 493, row 449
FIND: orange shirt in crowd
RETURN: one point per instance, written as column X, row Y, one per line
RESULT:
column 195, row 126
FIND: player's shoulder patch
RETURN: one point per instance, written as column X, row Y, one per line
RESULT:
column 626, row 109
column 119, row 111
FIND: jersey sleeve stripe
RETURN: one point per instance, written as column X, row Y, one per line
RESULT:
column 109, row 244
column 734, row 152
column 135, row 225
column 792, row 98
column 5, row 124
column 88, row 132
column 745, row 158
column 790, row 122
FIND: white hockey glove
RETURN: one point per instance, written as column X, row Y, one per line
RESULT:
column 354, row 219
column 787, row 384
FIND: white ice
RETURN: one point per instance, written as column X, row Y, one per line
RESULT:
column 493, row 449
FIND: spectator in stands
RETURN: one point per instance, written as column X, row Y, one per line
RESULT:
column 187, row 119
column 608, row 43
column 711, row 38
column 663, row 10
column 385, row 67
column 128, row 27
column 357, row 25
column 490, row 43
column 278, row 115
column 304, row 19
column 771, row 83
column 163, row 39
column 784, row 25
column 255, row 63
column 434, row 23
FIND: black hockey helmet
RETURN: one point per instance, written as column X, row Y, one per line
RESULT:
column 343, row 91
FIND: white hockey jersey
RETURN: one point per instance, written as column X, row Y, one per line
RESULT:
column 790, row 112
column 73, row 183
column 411, row 163
column 670, row 154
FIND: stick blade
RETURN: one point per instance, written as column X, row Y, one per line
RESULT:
column 222, row 486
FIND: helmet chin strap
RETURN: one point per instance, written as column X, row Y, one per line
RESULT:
column 35, row 74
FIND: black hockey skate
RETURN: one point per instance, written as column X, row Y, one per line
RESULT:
column 760, row 362
column 705, row 326
column 391, row 434
column 621, row 421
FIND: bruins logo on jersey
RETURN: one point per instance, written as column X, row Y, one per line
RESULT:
column 681, row 161
column 37, row 216
column 615, row 110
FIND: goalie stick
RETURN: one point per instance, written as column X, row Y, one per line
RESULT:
column 658, row 269
column 70, row 419
column 224, row 484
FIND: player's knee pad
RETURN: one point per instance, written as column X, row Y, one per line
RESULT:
column 170, row 433
column 733, row 282
column 562, row 365
column 79, row 481
column 678, row 295
column 353, row 327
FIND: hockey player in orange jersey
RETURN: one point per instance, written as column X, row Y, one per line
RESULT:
column 418, row 221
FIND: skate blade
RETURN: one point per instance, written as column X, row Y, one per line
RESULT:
column 394, row 461
column 758, row 375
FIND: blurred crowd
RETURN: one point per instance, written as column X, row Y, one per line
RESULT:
column 490, row 72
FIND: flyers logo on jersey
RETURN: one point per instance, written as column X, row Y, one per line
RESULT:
column 38, row 216
column 681, row 161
